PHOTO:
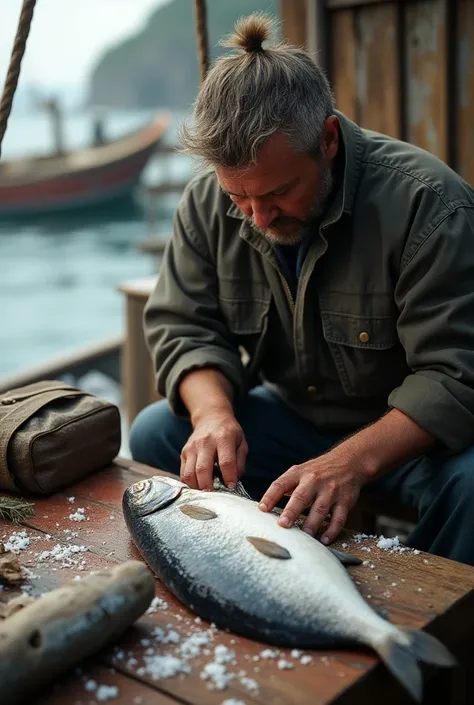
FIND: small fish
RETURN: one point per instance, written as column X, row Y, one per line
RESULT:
column 235, row 566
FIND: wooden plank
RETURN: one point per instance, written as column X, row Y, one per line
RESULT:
column 71, row 689
column 378, row 80
column 416, row 590
column 343, row 63
column 465, row 152
column 426, row 76
column 292, row 14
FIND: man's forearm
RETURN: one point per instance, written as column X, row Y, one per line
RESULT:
column 206, row 391
column 388, row 443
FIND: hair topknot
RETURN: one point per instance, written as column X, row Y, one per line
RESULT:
column 250, row 33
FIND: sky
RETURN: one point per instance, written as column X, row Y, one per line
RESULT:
column 68, row 36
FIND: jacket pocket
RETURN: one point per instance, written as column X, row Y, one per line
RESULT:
column 365, row 346
column 244, row 305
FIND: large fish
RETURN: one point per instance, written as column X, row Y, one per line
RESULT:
column 234, row 565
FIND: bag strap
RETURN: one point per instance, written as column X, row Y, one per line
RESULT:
column 32, row 390
column 18, row 415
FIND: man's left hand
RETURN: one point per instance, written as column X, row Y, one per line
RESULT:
column 329, row 483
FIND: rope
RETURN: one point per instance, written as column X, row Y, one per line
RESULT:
column 201, row 31
column 13, row 73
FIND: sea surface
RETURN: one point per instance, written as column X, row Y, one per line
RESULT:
column 59, row 273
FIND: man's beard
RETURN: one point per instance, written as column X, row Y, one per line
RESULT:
column 301, row 227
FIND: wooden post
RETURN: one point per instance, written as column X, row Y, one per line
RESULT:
column 293, row 20
column 317, row 32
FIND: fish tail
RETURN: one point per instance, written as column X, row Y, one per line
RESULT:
column 401, row 650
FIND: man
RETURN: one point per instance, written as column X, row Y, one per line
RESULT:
column 313, row 322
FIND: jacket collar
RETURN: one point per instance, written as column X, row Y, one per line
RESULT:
column 352, row 139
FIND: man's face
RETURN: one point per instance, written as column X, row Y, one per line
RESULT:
column 284, row 193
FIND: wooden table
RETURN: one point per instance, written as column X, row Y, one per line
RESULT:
column 137, row 377
column 416, row 590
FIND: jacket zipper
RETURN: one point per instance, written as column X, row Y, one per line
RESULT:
column 287, row 289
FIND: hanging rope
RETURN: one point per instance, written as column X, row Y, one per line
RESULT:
column 201, row 31
column 13, row 73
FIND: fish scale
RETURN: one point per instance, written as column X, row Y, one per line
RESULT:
column 236, row 566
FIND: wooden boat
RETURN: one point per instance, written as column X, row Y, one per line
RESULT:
column 78, row 179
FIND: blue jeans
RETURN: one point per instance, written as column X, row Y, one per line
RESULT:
column 439, row 487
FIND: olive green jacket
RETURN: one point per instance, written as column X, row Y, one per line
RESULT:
column 384, row 312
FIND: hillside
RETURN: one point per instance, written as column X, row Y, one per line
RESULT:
column 158, row 67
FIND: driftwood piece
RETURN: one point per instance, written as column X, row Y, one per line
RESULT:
column 10, row 568
column 66, row 625
column 14, row 605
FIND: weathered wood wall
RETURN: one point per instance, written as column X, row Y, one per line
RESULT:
column 403, row 67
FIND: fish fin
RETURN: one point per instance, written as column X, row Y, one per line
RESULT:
column 429, row 649
column 346, row 558
column 400, row 653
column 196, row 512
column 269, row 548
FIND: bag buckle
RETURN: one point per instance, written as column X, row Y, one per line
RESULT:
column 7, row 400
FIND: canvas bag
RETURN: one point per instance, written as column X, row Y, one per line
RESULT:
column 52, row 434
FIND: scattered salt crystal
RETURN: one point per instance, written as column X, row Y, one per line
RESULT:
column 389, row 544
column 77, row 578
column 90, row 686
column 78, row 515
column 268, row 653
column 416, row 552
column 158, row 667
column 296, row 653
column 255, row 658
column 369, row 596
column 111, row 516
column 119, row 654
column 137, row 700
column 17, row 542
column 306, row 659
column 365, row 548
column 48, row 537
column 420, row 589
column 344, row 545
column 159, row 635
column 365, row 562
column 222, row 654
column 232, row 701
column 425, row 560
column 377, row 577
column 198, row 620
column 71, row 499
column 249, row 683
column 145, row 642
column 157, row 604
column 283, row 664
column 217, row 674
column 394, row 584
column 371, row 565
column 106, row 692
column 192, row 646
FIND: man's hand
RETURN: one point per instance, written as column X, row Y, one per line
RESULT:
column 332, row 482
column 329, row 483
column 217, row 437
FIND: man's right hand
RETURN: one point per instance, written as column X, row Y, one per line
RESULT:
column 217, row 437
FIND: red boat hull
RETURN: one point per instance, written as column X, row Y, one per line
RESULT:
column 78, row 180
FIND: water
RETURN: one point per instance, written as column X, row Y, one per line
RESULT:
column 59, row 274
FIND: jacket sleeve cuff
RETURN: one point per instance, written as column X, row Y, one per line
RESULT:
column 434, row 408
column 198, row 359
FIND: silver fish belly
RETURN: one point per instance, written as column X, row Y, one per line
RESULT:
column 234, row 565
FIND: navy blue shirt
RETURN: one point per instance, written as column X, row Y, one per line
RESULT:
column 290, row 259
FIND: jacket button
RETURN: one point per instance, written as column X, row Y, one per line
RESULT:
column 311, row 389
column 364, row 337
